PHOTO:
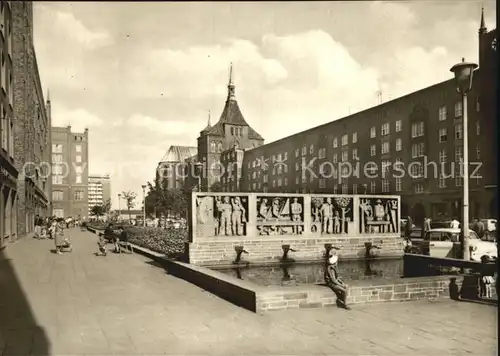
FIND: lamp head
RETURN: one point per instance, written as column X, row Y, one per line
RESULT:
column 463, row 75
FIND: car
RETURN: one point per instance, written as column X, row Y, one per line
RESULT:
column 440, row 243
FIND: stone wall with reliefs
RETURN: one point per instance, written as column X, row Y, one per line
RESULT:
column 262, row 223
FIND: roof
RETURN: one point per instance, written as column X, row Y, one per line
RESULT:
column 231, row 115
column 179, row 153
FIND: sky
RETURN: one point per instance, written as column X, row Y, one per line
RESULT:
column 143, row 76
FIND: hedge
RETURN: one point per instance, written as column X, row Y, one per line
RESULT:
column 170, row 242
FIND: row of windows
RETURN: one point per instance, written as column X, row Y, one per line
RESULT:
column 58, row 195
column 58, row 148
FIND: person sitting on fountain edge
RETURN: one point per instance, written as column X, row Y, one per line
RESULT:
column 333, row 280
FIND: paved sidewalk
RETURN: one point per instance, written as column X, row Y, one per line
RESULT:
column 123, row 305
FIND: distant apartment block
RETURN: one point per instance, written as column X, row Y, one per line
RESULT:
column 99, row 190
column 70, row 152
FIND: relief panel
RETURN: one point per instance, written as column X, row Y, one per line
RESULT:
column 332, row 215
column 378, row 215
column 221, row 215
column 280, row 215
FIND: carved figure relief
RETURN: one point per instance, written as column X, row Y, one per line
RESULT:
column 378, row 215
column 331, row 215
column 221, row 215
column 280, row 215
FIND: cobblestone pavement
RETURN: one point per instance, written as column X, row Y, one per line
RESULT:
column 123, row 305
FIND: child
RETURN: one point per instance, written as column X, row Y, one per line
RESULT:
column 102, row 247
column 43, row 233
column 487, row 286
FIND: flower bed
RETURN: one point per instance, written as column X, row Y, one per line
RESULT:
column 169, row 241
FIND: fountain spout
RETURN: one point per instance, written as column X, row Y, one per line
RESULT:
column 239, row 250
column 286, row 250
column 369, row 249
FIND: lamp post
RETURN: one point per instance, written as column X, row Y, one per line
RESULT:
column 119, row 208
column 463, row 77
column 143, row 205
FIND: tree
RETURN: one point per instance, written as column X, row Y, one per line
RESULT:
column 107, row 206
column 97, row 211
column 130, row 200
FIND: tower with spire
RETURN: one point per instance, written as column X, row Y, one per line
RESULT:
column 231, row 130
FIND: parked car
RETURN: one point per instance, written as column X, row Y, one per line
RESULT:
column 439, row 243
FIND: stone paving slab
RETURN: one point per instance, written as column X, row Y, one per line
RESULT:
column 80, row 304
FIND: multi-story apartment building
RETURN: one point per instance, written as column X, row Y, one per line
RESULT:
column 411, row 146
column 31, row 125
column 24, row 124
column 70, row 154
column 99, row 191
column 8, row 170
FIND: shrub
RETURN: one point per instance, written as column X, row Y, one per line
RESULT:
column 170, row 242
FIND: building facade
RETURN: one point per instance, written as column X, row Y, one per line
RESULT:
column 411, row 146
column 8, row 170
column 70, row 160
column 231, row 131
column 31, row 125
column 174, row 166
column 99, row 191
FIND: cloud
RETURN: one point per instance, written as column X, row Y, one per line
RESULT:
column 78, row 119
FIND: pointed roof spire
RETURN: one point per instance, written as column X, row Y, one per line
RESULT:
column 230, row 86
column 482, row 28
column 209, row 117
column 48, row 95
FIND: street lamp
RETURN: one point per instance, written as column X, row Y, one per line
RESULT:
column 143, row 206
column 463, row 77
column 119, row 208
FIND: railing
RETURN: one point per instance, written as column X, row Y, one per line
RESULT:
column 242, row 215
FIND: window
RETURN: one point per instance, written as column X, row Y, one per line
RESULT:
column 78, row 195
column 354, row 189
column 478, row 128
column 386, row 186
column 458, row 180
column 355, row 154
column 285, row 156
column 385, row 129
column 417, row 129
column 335, row 189
column 57, row 158
column 345, row 189
column 335, row 158
column 385, row 147
column 57, row 180
column 4, row 127
column 286, row 181
column 345, row 140
column 57, row 195
column 297, row 151
column 443, row 135
column 373, row 150
column 443, row 156
column 335, row 143
column 399, row 144
column 458, row 132
column 442, row 113
column 311, row 149
column 311, row 178
column 399, row 184
column 274, row 183
column 398, row 126
column 373, row 187
column 458, row 109
column 442, row 181
column 78, row 148
column 417, row 150
column 354, row 137
column 419, row 188
column 279, row 182
column 478, row 105
column 78, row 159
column 304, row 150
column 345, row 156
column 322, row 153
column 386, row 165
column 417, row 171
column 458, row 154
column 322, row 183
column 373, row 132
column 296, row 180
column 297, row 167
column 478, row 151
column 78, row 179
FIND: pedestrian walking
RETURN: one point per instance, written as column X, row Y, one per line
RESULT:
column 59, row 236
column 37, row 227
